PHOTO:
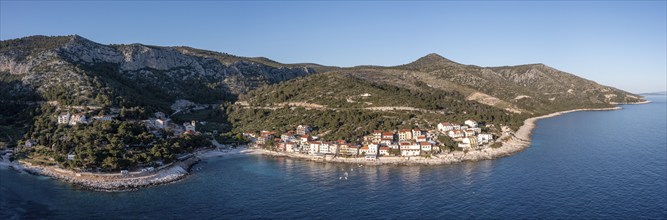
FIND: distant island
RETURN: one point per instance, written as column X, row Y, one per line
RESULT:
column 654, row 93
column 117, row 117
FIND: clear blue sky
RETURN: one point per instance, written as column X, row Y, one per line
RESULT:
column 621, row 44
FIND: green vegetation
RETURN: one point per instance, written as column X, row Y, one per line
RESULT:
column 345, row 114
column 22, row 48
column 108, row 145
column 142, row 90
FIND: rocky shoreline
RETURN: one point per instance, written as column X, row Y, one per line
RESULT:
column 115, row 182
column 517, row 142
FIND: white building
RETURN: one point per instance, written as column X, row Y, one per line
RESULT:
column 469, row 132
column 468, row 143
column 78, row 119
column 373, row 149
column 289, row 136
column 70, row 156
column 63, row 118
column 420, row 138
column 455, row 134
column 386, row 141
column 426, row 146
column 471, row 123
column 190, row 126
column 363, row 150
column 416, row 133
column 446, row 126
column 383, row 151
column 409, row 149
column 324, row 148
column 305, row 148
column 161, row 123
column 404, row 135
column 314, row 147
column 304, row 139
column 484, row 138
column 303, row 129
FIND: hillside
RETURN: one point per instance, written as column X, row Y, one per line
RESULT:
column 43, row 78
column 423, row 93
column 533, row 88
column 74, row 70
column 344, row 106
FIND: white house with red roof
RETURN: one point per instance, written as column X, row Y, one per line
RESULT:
column 384, row 151
column 455, row 134
column 445, row 126
column 425, row 146
column 469, row 132
column 420, row 138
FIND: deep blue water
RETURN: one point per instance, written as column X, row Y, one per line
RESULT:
column 602, row 165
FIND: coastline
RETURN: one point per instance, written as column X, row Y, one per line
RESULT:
column 631, row 103
column 173, row 172
column 519, row 141
column 115, row 182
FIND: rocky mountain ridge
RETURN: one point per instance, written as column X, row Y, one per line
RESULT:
column 47, row 63
column 72, row 66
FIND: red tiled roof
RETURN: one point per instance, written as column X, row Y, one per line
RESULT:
column 267, row 133
column 384, row 148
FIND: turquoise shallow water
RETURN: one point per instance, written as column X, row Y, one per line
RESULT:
column 602, row 165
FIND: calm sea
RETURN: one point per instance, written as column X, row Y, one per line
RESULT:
column 601, row 165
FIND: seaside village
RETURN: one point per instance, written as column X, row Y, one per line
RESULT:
column 404, row 142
